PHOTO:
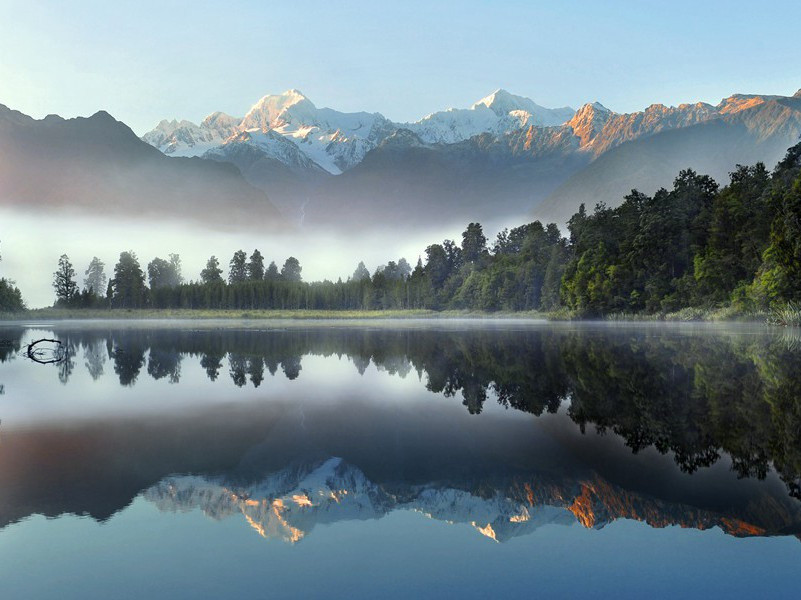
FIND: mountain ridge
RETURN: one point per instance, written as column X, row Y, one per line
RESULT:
column 98, row 164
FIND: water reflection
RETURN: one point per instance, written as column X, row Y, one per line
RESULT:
column 691, row 406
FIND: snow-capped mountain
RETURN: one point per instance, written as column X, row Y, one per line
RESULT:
column 497, row 114
column 336, row 141
column 329, row 139
column 502, row 158
column 288, row 504
column 183, row 138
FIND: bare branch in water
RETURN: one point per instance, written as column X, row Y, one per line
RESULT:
column 45, row 356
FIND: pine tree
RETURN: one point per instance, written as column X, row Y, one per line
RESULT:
column 255, row 268
column 474, row 243
column 291, row 269
column 237, row 268
column 272, row 272
column 361, row 273
column 64, row 282
column 128, row 285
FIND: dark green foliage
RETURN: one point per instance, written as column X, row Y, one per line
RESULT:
column 10, row 297
column 255, row 267
column 291, row 269
column 474, row 243
column 238, row 268
column 779, row 277
column 272, row 273
column 738, row 232
column 64, row 283
column 128, row 288
column 692, row 246
column 212, row 274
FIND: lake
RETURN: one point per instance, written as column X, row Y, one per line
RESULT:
column 428, row 458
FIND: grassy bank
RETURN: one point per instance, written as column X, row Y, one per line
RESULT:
column 72, row 314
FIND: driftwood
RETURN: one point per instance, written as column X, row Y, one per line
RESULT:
column 39, row 355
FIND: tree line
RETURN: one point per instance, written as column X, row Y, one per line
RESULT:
column 695, row 245
column 10, row 296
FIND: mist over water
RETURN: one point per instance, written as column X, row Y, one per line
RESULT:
column 31, row 244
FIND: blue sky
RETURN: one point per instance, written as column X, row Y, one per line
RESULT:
column 146, row 61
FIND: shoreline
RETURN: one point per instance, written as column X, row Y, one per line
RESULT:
column 103, row 314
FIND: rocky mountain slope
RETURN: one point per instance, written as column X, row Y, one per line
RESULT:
column 747, row 129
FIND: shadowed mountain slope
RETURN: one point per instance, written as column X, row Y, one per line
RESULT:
column 99, row 166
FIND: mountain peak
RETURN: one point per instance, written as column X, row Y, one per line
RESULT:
column 598, row 106
column 502, row 102
column 277, row 109
column 797, row 94
column 588, row 122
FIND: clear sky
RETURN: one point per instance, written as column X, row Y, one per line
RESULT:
column 147, row 60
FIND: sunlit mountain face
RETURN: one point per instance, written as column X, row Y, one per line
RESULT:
column 504, row 157
column 503, row 428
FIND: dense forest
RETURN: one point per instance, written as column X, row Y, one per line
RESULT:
column 696, row 245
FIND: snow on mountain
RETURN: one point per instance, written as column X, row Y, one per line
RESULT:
column 503, row 103
column 289, row 503
column 498, row 113
column 262, row 144
column 184, row 138
column 336, row 141
column 333, row 140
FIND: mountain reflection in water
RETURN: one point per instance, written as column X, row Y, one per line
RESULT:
column 671, row 425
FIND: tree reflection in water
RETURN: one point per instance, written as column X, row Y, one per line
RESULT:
column 695, row 396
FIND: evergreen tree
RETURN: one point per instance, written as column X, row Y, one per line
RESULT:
column 128, row 284
column 255, row 268
column 291, row 269
column 474, row 243
column 64, row 282
column 361, row 273
column 95, row 279
column 272, row 273
column 237, row 268
column 404, row 269
column 175, row 265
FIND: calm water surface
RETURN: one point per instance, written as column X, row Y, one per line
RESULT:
column 411, row 459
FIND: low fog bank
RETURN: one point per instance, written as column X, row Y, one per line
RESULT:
column 31, row 245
